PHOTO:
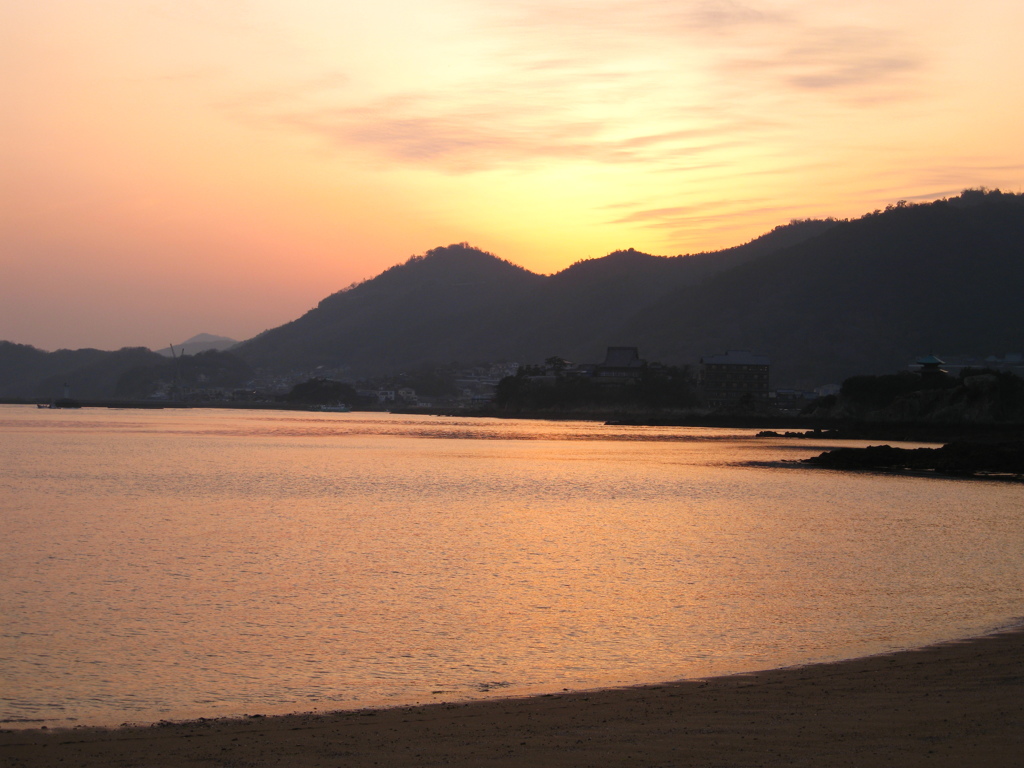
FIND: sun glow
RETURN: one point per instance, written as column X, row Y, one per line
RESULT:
column 233, row 164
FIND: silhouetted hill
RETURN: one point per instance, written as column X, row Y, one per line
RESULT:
column 824, row 299
column 447, row 305
column 129, row 373
column 184, row 377
column 27, row 372
column 202, row 342
column 460, row 303
column 866, row 296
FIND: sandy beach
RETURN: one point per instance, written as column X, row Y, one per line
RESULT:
column 954, row 704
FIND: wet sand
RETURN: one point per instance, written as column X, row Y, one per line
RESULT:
column 955, row 704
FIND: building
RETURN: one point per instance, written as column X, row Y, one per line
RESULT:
column 736, row 376
column 622, row 365
column 1010, row 362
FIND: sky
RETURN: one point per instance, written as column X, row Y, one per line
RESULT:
column 171, row 167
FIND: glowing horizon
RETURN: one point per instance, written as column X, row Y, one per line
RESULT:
column 187, row 167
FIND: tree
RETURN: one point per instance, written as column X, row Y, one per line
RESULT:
column 322, row 392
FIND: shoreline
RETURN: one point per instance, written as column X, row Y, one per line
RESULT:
column 958, row 702
column 794, row 426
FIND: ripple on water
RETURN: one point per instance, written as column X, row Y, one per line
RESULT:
column 178, row 564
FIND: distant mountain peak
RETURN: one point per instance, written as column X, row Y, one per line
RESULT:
column 457, row 261
column 463, row 255
column 205, row 338
column 201, row 342
column 456, row 250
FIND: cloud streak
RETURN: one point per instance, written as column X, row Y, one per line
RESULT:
column 865, row 61
column 611, row 82
column 480, row 138
column 722, row 36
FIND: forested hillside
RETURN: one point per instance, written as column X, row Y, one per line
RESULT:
column 824, row 300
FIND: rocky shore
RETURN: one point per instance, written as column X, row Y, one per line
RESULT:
column 960, row 458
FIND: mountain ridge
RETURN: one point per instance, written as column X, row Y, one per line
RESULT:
column 462, row 303
column 824, row 299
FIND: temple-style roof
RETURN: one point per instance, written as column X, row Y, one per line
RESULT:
column 622, row 357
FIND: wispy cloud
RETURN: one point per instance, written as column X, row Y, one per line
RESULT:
column 836, row 60
column 665, row 85
column 722, row 35
column 632, row 21
column 687, row 224
column 612, row 82
column 731, row 15
column 487, row 136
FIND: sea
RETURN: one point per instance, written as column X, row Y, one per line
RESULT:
column 176, row 564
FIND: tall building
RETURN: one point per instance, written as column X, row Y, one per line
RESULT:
column 735, row 376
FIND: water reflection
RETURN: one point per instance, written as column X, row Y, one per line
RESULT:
column 191, row 563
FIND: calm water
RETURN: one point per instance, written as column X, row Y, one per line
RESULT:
column 174, row 564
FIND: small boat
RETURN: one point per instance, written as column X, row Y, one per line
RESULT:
column 62, row 402
column 334, row 409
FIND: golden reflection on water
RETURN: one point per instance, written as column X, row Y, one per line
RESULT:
column 176, row 564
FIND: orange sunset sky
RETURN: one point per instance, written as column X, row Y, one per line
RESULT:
column 178, row 166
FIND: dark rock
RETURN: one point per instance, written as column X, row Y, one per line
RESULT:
column 956, row 458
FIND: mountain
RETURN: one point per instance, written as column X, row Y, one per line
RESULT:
column 453, row 303
column 867, row 296
column 460, row 303
column 27, row 372
column 200, row 343
column 132, row 373
column 823, row 299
